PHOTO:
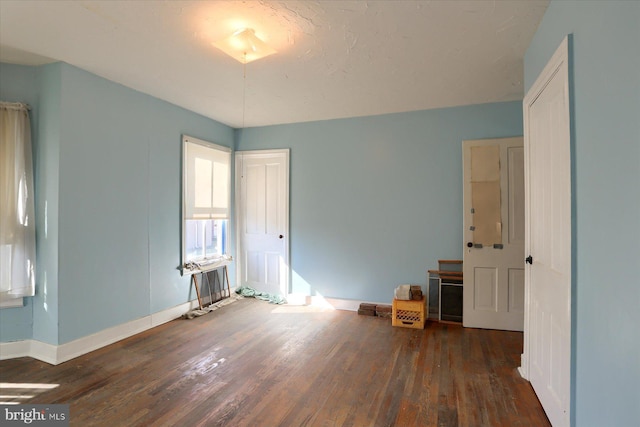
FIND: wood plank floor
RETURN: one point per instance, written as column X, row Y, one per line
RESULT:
column 255, row 364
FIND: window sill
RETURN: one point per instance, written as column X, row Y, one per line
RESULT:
column 205, row 265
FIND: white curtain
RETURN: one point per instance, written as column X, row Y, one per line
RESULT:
column 206, row 179
column 17, row 219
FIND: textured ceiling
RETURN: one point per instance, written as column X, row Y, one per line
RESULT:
column 335, row 58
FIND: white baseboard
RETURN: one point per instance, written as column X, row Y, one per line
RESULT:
column 172, row 313
column 11, row 350
column 45, row 352
column 56, row 354
column 100, row 339
column 12, row 303
column 29, row 348
column 523, row 369
column 320, row 301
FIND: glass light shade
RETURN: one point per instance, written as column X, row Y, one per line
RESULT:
column 244, row 46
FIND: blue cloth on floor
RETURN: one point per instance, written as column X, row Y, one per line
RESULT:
column 246, row 291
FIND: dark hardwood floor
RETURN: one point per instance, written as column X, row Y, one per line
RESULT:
column 255, row 364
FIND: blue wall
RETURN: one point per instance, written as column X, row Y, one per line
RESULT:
column 107, row 199
column 376, row 201
column 45, row 302
column 606, row 173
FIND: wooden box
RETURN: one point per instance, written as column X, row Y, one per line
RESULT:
column 408, row 314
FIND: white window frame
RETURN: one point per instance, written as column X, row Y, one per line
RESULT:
column 191, row 212
column 17, row 241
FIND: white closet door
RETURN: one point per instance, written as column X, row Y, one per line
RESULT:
column 262, row 194
column 547, row 347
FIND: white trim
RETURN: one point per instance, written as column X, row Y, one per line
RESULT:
column 342, row 304
column 206, row 265
column 172, row 313
column 524, row 373
column 43, row 351
column 320, row 301
column 29, row 348
column 12, row 303
column 101, row 339
column 11, row 350
column 208, row 144
column 56, row 354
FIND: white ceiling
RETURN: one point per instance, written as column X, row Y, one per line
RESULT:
column 335, row 59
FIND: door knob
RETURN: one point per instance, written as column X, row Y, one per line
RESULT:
column 529, row 259
column 280, row 236
column 469, row 244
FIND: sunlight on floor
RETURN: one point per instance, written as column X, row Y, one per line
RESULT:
column 288, row 309
column 297, row 303
column 17, row 393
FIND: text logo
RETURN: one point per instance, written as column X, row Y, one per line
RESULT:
column 34, row 415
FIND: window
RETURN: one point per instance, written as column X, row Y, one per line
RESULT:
column 205, row 238
column 17, row 219
column 206, row 183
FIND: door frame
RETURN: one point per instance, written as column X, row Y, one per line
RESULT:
column 238, row 164
column 558, row 63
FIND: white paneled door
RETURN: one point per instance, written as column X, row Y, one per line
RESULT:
column 262, row 206
column 547, row 345
column 493, row 291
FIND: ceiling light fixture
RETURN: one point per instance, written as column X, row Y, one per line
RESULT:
column 244, row 46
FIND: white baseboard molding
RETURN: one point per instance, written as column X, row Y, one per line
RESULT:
column 43, row 351
column 100, row 339
column 56, row 354
column 11, row 350
column 12, row 303
column 523, row 369
column 320, row 301
column 29, row 348
column 343, row 304
column 172, row 313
